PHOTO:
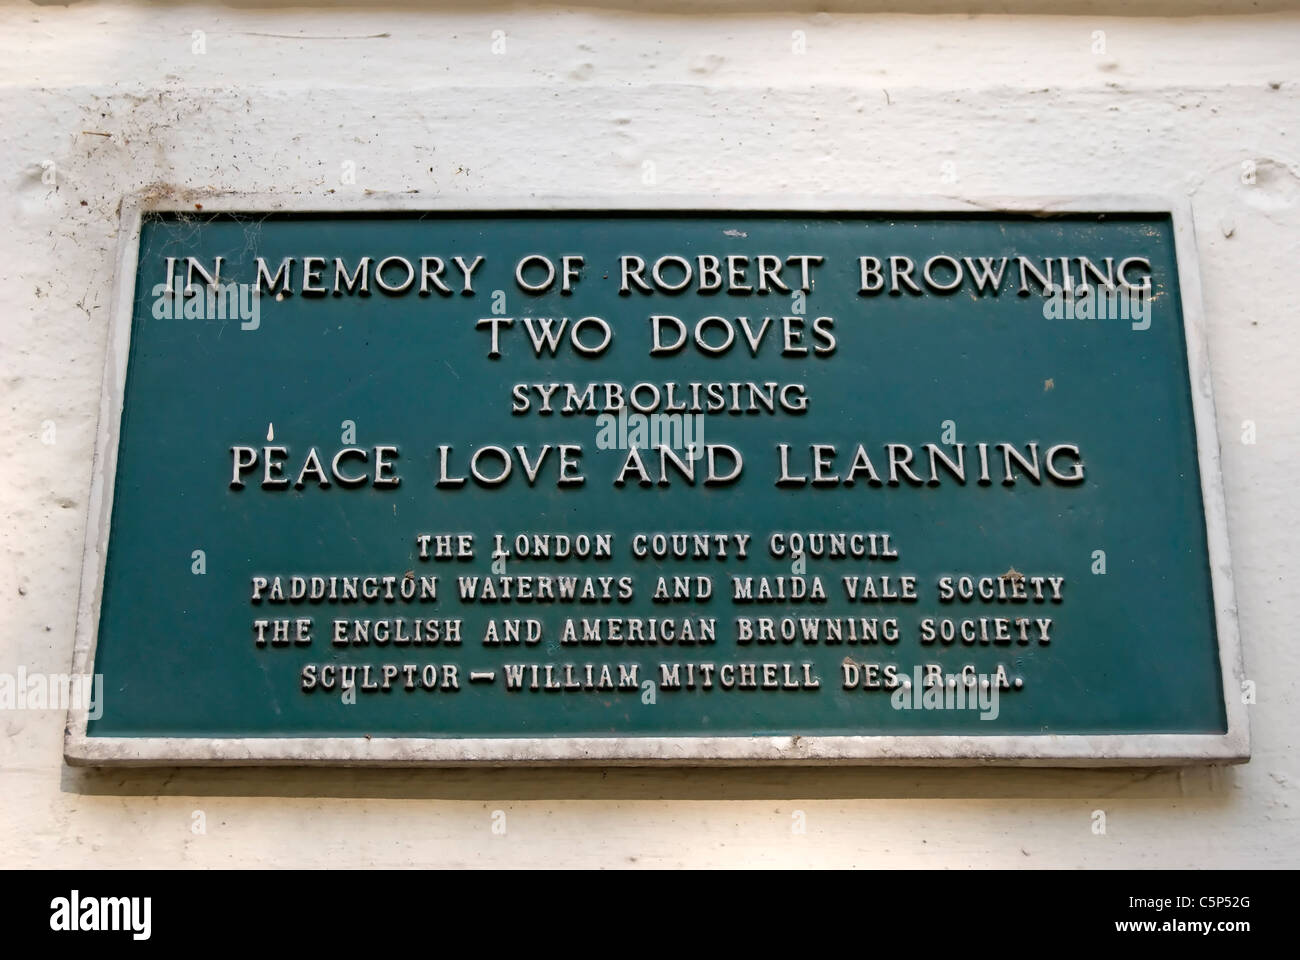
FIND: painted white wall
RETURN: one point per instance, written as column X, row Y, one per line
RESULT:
column 115, row 98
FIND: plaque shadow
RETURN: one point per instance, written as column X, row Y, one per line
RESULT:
column 1207, row 784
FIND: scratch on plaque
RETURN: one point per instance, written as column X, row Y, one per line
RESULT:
column 452, row 369
column 734, row 233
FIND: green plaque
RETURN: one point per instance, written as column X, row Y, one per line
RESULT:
column 905, row 484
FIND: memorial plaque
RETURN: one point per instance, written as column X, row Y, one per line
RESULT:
column 902, row 484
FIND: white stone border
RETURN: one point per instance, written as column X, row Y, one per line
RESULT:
column 1048, row 750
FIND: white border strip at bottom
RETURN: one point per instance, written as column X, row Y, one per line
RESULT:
column 1049, row 750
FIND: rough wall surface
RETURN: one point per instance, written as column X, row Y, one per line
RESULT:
column 99, row 99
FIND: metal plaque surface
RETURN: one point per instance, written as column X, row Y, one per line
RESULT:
column 908, row 483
